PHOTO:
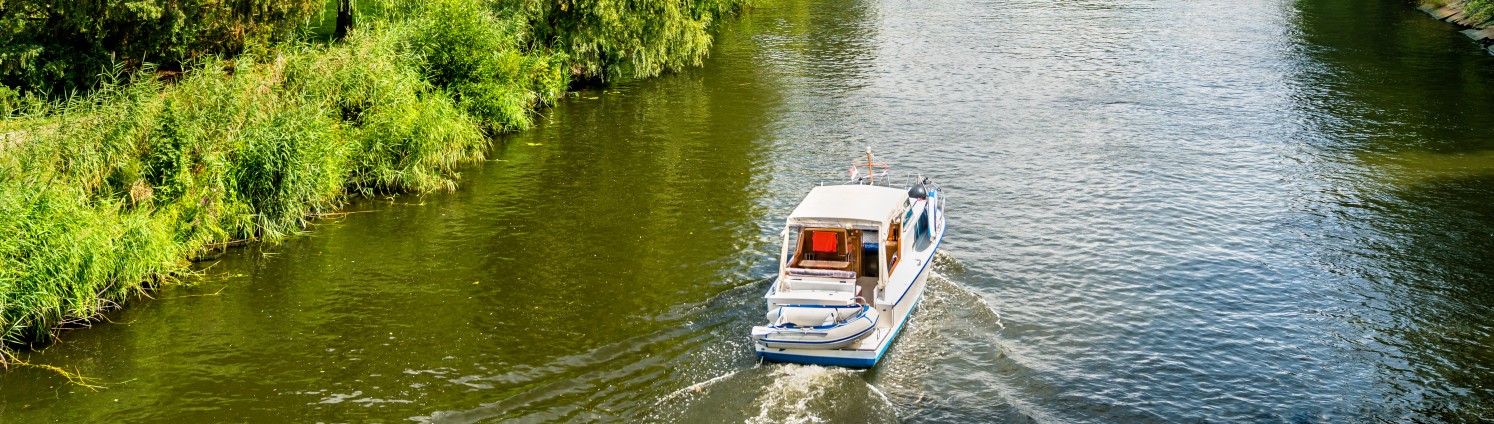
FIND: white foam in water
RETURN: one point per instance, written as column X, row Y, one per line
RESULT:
column 794, row 392
column 881, row 395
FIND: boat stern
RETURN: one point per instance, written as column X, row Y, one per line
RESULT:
column 851, row 358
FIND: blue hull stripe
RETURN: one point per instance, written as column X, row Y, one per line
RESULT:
column 820, row 360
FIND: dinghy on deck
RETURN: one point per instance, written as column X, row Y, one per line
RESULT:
column 854, row 263
column 832, row 332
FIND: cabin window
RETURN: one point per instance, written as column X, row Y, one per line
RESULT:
column 894, row 244
column 922, row 236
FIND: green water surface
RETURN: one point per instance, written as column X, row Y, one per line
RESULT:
column 1159, row 211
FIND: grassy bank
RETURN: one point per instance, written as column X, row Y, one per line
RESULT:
column 1481, row 11
column 103, row 194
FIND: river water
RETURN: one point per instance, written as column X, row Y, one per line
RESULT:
column 1159, row 211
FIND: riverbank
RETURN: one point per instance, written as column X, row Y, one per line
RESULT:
column 1477, row 16
column 107, row 194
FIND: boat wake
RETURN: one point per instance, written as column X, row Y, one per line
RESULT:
column 956, row 325
column 778, row 393
column 707, row 370
column 949, row 271
column 605, row 379
column 693, row 388
column 804, row 394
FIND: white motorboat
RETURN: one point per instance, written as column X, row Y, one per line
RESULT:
column 854, row 263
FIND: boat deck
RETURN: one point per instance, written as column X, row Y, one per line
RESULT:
column 866, row 288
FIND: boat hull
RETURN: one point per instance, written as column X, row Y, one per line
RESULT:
column 849, row 361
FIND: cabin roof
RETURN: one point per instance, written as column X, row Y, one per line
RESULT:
column 849, row 202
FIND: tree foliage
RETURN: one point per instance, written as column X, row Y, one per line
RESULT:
column 611, row 39
column 484, row 62
column 61, row 45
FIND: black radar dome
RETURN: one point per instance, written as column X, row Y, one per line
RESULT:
column 917, row 191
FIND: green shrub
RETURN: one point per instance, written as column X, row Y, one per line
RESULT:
column 285, row 166
column 407, row 134
column 1481, row 10
column 67, row 258
column 478, row 58
column 116, row 188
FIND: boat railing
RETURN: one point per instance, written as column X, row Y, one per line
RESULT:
column 867, row 171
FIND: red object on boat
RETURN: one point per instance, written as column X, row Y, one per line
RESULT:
column 825, row 241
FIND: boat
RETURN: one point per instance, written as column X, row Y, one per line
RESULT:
column 853, row 265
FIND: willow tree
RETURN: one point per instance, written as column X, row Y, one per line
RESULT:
column 610, row 39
